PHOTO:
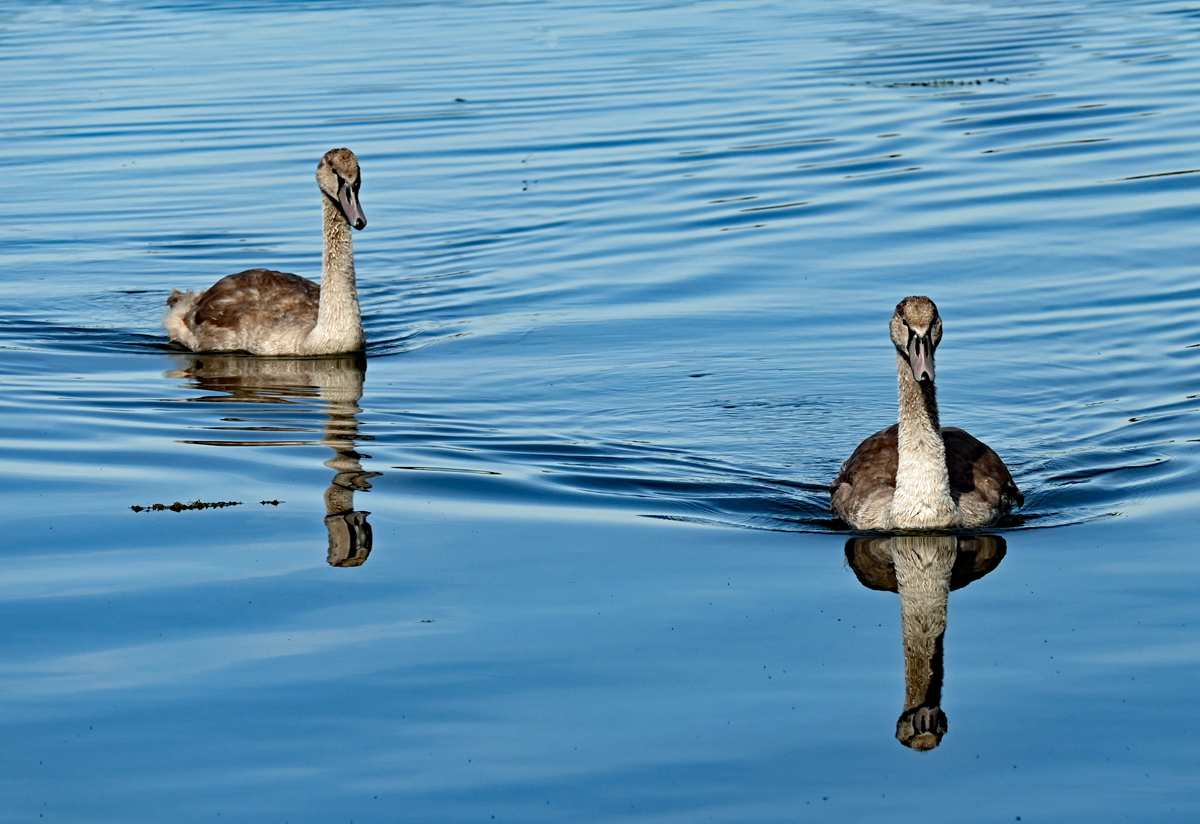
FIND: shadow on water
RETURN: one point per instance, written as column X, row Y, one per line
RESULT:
column 337, row 383
column 923, row 569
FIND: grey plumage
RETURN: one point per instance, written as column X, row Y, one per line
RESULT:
column 265, row 312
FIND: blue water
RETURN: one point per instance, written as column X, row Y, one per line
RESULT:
column 626, row 284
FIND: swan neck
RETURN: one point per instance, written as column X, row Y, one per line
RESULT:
column 918, row 401
column 339, row 320
column 922, row 499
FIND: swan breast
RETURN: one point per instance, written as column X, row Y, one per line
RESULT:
column 980, row 484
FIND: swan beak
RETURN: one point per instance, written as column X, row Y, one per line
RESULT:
column 920, row 357
column 348, row 198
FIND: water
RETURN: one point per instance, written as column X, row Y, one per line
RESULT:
column 559, row 547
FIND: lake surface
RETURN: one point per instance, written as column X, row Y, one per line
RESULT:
column 559, row 547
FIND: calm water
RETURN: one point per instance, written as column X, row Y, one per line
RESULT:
column 559, row 548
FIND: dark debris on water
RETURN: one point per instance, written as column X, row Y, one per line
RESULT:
column 942, row 83
column 179, row 506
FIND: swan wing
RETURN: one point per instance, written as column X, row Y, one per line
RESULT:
column 979, row 480
column 258, row 298
column 863, row 490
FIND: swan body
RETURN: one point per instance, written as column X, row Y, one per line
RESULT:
column 277, row 313
column 915, row 475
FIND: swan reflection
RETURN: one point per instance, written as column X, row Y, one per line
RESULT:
column 923, row 569
column 337, row 382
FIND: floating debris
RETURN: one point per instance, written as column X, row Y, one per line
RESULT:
column 179, row 506
column 939, row 83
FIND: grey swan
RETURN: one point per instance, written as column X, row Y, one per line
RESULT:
column 264, row 312
column 916, row 475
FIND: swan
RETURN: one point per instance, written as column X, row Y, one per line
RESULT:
column 264, row 312
column 914, row 474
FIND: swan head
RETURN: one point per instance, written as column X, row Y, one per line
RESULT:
column 921, row 728
column 339, row 179
column 916, row 333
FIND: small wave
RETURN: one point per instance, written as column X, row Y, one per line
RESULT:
column 18, row 333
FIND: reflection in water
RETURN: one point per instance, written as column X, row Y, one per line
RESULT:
column 338, row 382
column 923, row 569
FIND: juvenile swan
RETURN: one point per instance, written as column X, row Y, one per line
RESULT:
column 276, row 313
column 914, row 474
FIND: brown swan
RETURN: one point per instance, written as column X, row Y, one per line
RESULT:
column 276, row 313
column 915, row 474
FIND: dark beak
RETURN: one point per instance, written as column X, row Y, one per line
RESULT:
column 920, row 357
column 348, row 198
